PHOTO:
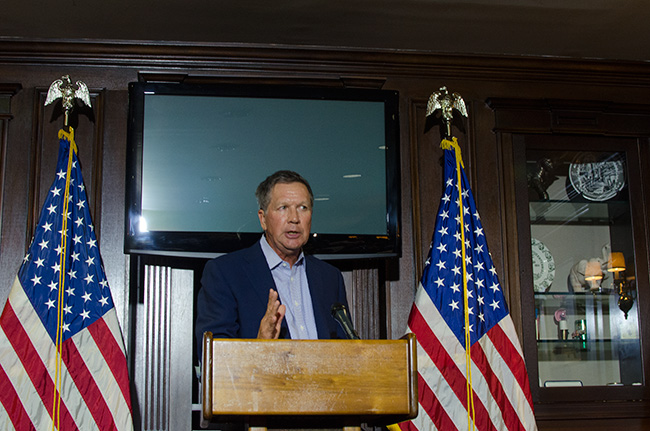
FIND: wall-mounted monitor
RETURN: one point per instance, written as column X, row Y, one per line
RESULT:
column 197, row 152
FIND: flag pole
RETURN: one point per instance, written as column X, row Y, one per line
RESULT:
column 448, row 103
column 64, row 89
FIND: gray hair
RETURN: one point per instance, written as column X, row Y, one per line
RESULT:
column 263, row 192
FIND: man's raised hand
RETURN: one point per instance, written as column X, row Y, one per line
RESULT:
column 272, row 320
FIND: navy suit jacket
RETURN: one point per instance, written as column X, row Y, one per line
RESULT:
column 235, row 293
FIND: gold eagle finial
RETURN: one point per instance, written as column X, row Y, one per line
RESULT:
column 65, row 90
column 446, row 103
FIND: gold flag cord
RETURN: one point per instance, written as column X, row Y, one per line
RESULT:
column 471, row 415
column 56, row 403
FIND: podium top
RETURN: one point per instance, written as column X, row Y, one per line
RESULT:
column 369, row 380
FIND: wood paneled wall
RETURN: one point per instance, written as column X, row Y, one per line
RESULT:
column 382, row 292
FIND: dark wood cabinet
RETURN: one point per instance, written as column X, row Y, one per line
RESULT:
column 578, row 205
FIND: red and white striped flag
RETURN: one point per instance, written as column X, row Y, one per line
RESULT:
column 62, row 358
column 466, row 340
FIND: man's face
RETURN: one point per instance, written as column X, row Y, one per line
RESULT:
column 287, row 220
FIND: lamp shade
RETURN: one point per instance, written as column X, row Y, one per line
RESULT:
column 616, row 262
column 593, row 270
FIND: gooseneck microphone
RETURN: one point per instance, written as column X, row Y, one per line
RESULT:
column 340, row 314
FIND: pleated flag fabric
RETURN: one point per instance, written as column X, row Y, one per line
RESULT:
column 62, row 357
column 471, row 370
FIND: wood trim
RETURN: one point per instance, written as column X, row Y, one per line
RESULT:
column 512, row 287
column 570, row 116
column 98, row 100
column 164, row 373
column 365, row 303
column 3, row 161
column 413, row 374
column 416, row 106
column 644, row 308
column 7, row 91
column 346, row 81
column 157, row 313
column 238, row 59
column 206, row 380
column 592, row 410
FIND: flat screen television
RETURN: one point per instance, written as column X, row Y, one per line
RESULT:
column 196, row 153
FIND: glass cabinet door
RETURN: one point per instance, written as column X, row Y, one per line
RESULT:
column 580, row 306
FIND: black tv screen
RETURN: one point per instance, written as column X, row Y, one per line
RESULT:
column 197, row 152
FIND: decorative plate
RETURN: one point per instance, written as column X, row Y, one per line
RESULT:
column 543, row 266
column 597, row 180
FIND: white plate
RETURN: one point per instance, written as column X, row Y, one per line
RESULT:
column 543, row 266
column 597, row 180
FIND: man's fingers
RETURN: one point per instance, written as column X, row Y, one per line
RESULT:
column 273, row 303
column 272, row 321
column 279, row 316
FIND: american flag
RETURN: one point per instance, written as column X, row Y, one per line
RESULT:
column 62, row 358
column 496, row 376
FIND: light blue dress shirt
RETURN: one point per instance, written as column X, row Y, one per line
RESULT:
column 293, row 290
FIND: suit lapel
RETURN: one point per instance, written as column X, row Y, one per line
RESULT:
column 259, row 275
column 319, row 302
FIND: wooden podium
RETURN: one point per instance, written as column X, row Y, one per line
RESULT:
column 309, row 383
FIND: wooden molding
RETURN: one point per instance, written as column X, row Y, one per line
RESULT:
column 587, row 117
column 7, row 91
column 291, row 60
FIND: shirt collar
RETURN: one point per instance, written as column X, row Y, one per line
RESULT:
column 272, row 258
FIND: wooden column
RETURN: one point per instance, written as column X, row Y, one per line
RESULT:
column 163, row 351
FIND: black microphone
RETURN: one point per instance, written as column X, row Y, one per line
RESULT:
column 340, row 314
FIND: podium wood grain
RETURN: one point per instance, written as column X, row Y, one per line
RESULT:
column 354, row 378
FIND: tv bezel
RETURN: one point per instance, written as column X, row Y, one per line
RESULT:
column 212, row 244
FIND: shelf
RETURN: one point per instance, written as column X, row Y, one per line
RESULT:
column 575, row 352
column 579, row 350
column 581, row 300
column 573, row 341
column 606, row 293
column 579, row 213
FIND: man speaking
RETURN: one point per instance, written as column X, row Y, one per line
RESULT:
column 272, row 290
